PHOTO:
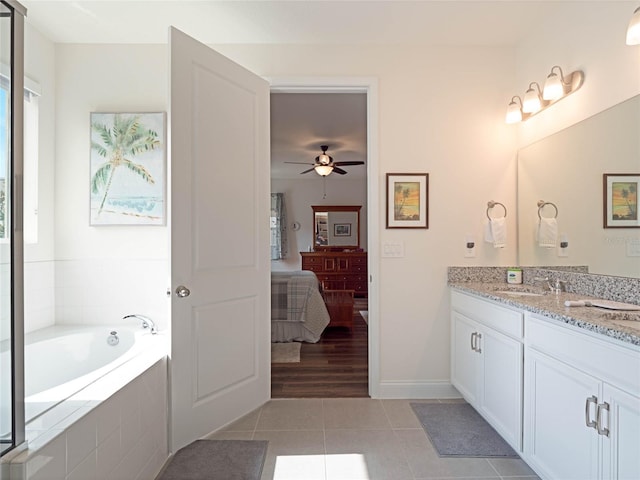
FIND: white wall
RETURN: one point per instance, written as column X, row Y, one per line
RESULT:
column 103, row 273
column 39, row 257
column 300, row 195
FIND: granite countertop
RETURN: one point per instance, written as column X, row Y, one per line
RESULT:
column 610, row 323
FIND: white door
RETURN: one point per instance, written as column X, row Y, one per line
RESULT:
column 219, row 220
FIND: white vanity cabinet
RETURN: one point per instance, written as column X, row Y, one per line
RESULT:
column 581, row 404
column 487, row 361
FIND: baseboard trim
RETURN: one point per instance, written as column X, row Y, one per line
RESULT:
column 419, row 390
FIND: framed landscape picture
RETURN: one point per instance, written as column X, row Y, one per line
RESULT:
column 407, row 200
column 342, row 229
column 620, row 204
column 127, row 169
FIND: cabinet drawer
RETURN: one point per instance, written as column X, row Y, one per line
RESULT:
column 617, row 364
column 312, row 267
column 311, row 260
column 359, row 260
column 505, row 320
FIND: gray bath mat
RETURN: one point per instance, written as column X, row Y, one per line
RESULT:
column 457, row 430
column 217, row 460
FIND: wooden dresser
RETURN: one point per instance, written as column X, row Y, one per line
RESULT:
column 339, row 270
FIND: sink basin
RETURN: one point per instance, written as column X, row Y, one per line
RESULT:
column 520, row 290
column 516, row 293
column 622, row 316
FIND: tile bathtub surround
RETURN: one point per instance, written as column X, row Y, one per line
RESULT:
column 88, row 436
column 356, row 438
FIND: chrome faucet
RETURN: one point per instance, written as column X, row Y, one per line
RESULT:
column 146, row 322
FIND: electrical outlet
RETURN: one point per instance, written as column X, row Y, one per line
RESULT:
column 563, row 246
column 470, row 247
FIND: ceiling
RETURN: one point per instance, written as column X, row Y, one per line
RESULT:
column 389, row 22
column 301, row 122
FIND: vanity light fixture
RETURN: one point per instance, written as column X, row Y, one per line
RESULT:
column 556, row 87
column 633, row 31
column 534, row 101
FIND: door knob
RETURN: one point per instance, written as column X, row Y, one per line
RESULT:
column 182, row 291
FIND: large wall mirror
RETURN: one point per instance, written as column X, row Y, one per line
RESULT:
column 336, row 226
column 566, row 169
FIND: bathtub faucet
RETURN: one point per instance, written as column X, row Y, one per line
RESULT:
column 146, row 322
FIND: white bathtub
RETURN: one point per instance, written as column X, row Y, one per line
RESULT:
column 62, row 360
column 83, row 396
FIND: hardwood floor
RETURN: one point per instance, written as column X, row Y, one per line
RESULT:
column 335, row 367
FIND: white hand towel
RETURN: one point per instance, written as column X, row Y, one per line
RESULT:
column 547, row 232
column 496, row 232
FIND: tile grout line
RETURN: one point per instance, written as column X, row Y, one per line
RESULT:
column 324, row 440
column 400, row 443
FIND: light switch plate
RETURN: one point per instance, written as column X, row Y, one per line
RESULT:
column 633, row 247
column 393, row 249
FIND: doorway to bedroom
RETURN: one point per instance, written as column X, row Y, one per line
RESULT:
column 314, row 358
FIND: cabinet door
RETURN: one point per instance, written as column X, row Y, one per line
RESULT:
column 501, row 389
column 557, row 442
column 621, row 448
column 464, row 360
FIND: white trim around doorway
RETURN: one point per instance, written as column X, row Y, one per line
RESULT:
column 368, row 85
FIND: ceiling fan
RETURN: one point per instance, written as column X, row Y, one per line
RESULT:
column 324, row 164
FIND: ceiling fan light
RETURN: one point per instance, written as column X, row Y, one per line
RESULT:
column 324, row 159
column 323, row 170
column 633, row 32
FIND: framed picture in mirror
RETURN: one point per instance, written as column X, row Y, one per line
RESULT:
column 620, row 204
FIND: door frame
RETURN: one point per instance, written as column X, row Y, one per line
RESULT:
column 368, row 85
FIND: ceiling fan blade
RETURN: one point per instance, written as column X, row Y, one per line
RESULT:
column 301, row 163
column 348, row 163
column 338, row 170
column 307, row 171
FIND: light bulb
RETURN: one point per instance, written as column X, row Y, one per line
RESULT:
column 553, row 88
column 633, row 32
column 514, row 113
column 531, row 102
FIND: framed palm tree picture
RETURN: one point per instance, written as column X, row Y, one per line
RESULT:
column 128, row 169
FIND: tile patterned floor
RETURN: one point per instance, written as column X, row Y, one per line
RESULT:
column 356, row 439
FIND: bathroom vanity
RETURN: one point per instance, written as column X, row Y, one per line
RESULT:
column 560, row 384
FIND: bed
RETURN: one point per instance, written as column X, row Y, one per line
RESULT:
column 298, row 312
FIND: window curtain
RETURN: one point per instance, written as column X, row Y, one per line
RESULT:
column 279, row 247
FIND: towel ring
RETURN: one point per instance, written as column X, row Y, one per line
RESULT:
column 491, row 204
column 542, row 204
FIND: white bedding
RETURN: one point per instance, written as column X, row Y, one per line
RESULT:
column 298, row 312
